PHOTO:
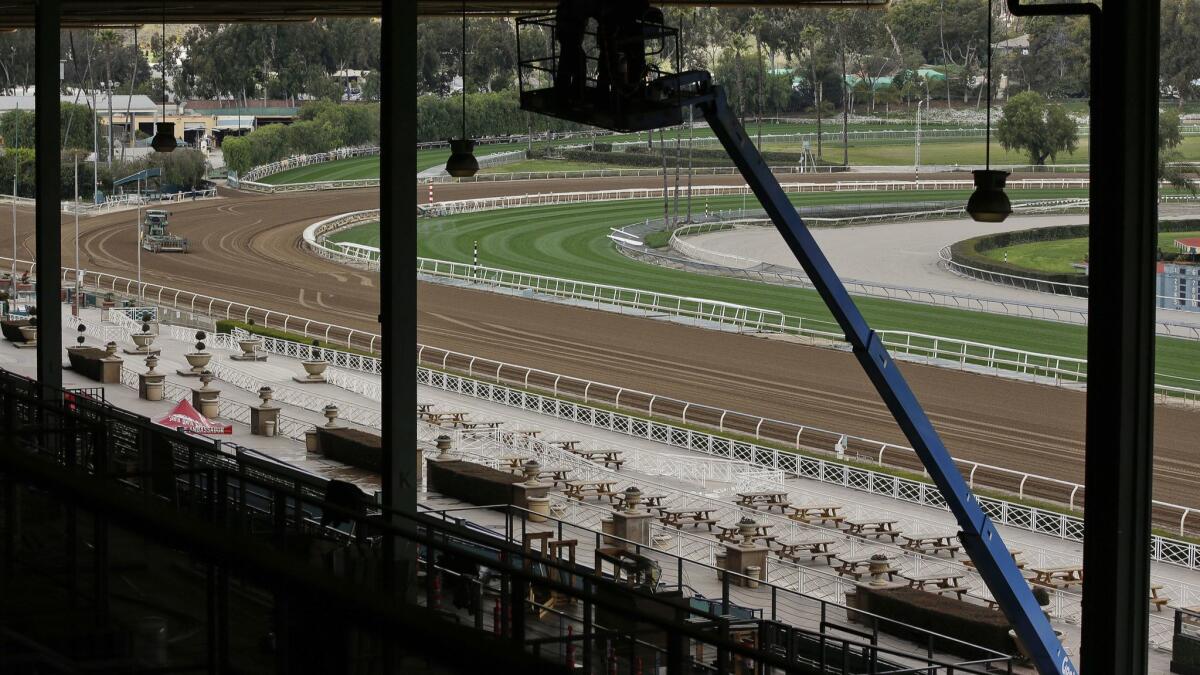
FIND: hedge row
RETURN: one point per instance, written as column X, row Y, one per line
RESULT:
column 470, row 482
column 351, row 446
column 970, row 251
column 88, row 361
column 948, row 616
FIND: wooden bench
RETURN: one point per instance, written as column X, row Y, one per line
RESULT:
column 960, row 591
column 582, row 489
column 826, row 514
column 680, row 517
column 859, row 566
column 1057, row 577
column 766, row 500
column 921, row 581
column 932, row 544
column 873, row 528
column 812, row 549
column 1155, row 601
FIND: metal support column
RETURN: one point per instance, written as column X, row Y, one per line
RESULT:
column 48, row 233
column 398, row 279
column 1120, row 404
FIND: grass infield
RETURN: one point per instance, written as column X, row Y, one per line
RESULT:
column 343, row 169
column 1057, row 256
column 571, row 242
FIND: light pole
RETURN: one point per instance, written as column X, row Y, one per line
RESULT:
column 139, row 239
column 75, row 304
column 917, row 149
column 16, row 170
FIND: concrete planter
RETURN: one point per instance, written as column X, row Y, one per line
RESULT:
column 198, row 360
column 30, row 334
column 248, row 346
column 315, row 368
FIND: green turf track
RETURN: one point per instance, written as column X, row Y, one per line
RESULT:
column 571, row 242
column 343, row 169
column 1057, row 257
column 366, row 234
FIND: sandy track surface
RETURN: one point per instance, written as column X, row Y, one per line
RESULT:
column 245, row 248
column 1031, row 427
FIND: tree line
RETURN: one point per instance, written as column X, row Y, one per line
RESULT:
column 237, row 62
column 320, row 126
column 839, row 57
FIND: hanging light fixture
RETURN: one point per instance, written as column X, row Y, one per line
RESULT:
column 462, row 162
column 164, row 135
column 989, row 203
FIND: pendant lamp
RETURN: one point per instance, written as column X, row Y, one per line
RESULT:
column 164, row 135
column 462, row 162
column 989, row 203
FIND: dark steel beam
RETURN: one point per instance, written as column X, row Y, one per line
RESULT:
column 48, row 226
column 398, row 275
column 1120, row 409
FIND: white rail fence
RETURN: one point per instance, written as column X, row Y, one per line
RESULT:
column 296, row 161
column 859, row 477
column 961, row 354
column 314, row 238
column 514, row 201
column 164, row 296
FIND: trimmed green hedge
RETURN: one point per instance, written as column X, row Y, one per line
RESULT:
column 227, row 326
column 87, row 362
column 970, row 251
column 12, row 329
column 948, row 616
column 472, row 483
column 351, row 446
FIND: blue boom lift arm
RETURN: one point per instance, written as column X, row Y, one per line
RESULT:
column 657, row 100
column 979, row 536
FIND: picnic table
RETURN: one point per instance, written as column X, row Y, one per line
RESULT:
column 932, row 544
column 859, row 565
column 734, row 533
column 680, row 517
column 872, row 528
column 513, row 461
column 565, row 445
column 609, row 458
column 1057, row 577
column 812, row 549
column 582, row 489
column 424, row 407
column 1158, row 602
column 649, row 501
column 471, row 426
column 939, row 580
column 766, row 500
column 556, row 474
column 1012, row 552
column 442, row 418
column 817, row 513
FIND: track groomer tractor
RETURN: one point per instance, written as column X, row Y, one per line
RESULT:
column 608, row 68
column 154, row 233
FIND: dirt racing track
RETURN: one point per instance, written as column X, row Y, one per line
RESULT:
column 245, row 248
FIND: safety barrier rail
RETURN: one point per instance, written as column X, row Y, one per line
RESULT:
column 313, row 238
column 164, row 296
column 514, row 201
column 296, row 161
column 962, row 354
column 435, row 365
column 305, row 187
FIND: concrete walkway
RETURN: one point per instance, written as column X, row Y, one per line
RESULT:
column 904, row 254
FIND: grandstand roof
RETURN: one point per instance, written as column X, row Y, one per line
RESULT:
column 144, row 174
